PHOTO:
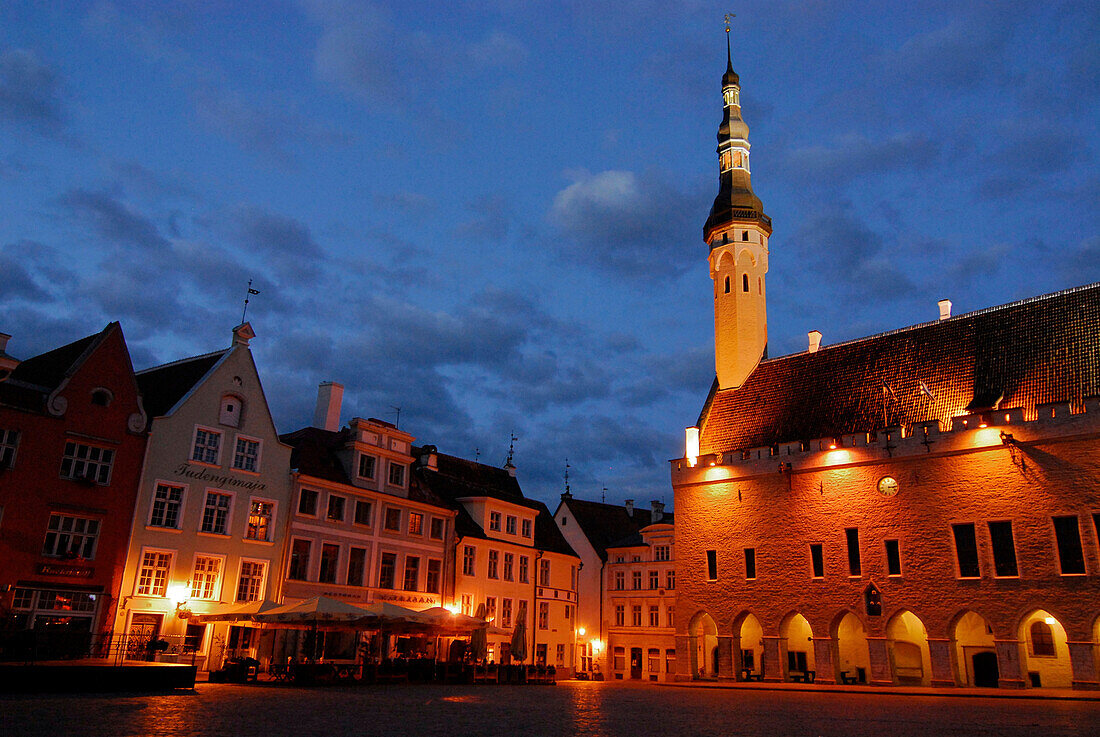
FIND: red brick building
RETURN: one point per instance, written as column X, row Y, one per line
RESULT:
column 72, row 439
column 916, row 507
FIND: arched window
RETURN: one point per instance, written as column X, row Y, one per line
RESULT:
column 1042, row 639
column 727, row 285
column 744, row 282
column 230, row 413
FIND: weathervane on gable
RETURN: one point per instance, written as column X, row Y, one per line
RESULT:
column 251, row 292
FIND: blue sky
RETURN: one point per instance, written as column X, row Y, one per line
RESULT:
column 489, row 214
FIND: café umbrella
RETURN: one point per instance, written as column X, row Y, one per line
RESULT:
column 479, row 640
column 519, row 635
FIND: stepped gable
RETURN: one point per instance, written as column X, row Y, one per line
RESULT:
column 1036, row 351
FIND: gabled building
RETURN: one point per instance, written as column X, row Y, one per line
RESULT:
column 509, row 556
column 72, row 437
column 210, row 518
column 916, row 507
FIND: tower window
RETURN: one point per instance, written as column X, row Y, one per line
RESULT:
column 744, row 235
column 744, row 282
column 727, row 285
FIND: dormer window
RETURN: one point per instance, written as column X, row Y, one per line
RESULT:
column 494, row 521
column 230, row 413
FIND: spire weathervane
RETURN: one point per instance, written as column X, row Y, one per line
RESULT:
column 728, row 16
column 567, row 476
column 250, row 292
column 511, row 448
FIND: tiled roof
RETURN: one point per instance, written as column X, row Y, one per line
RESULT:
column 607, row 525
column 1036, row 351
column 163, row 386
column 314, row 453
column 33, row 379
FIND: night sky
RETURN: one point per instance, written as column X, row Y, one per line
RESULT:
column 489, row 214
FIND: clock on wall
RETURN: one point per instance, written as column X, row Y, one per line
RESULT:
column 888, row 486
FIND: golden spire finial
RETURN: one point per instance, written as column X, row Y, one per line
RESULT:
column 728, row 16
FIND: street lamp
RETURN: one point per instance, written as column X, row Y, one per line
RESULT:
column 178, row 593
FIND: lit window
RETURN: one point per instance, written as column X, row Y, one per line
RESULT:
column 87, row 463
column 260, row 515
column 251, row 584
column 71, row 537
column 167, row 502
column 153, row 575
column 467, row 603
column 215, row 514
column 204, row 578
column 207, row 444
column 416, row 523
column 246, row 456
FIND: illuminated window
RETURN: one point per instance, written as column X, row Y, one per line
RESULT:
column 71, row 537
column 204, row 577
column 251, row 584
column 87, row 463
column 153, row 574
column 416, row 523
column 467, row 603
column 490, row 607
column 215, row 514
column 260, row 515
column 167, row 502
column 1042, row 640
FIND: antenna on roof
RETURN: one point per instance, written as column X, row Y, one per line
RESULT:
column 477, row 454
column 603, row 496
column 397, row 422
column 250, row 292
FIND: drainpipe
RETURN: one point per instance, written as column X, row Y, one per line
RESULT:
column 602, row 639
column 535, row 605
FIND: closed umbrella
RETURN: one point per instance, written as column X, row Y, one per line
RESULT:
column 479, row 642
column 519, row 635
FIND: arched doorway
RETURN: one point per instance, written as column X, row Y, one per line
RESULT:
column 975, row 653
column 796, row 643
column 853, row 655
column 907, row 641
column 1046, row 663
column 704, row 646
column 751, row 636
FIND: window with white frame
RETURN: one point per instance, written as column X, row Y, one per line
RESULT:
column 505, row 613
column 9, row 442
column 153, row 574
column 71, row 537
column 362, row 512
column 250, row 586
column 544, row 572
column 336, row 506
column 397, row 474
column 620, row 580
column 509, row 561
column 87, row 462
column 467, row 603
column 215, row 513
column 544, row 615
column 661, row 552
column 494, row 521
column 207, row 445
column 468, row 560
column 494, row 560
column 393, row 519
column 435, row 529
column 636, row 615
column 167, row 504
column 524, row 565
column 510, row 525
column 366, row 466
column 261, row 514
column 205, row 577
column 246, row 455
column 525, row 528
column 416, row 523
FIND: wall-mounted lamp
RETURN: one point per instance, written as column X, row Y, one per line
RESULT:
column 178, row 593
column 1007, row 439
column 784, row 467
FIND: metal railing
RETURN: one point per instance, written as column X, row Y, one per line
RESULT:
column 35, row 646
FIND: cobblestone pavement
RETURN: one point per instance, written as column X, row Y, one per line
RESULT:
column 570, row 708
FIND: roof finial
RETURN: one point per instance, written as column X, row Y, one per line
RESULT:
column 729, row 56
column 567, row 476
column 251, row 292
column 511, row 450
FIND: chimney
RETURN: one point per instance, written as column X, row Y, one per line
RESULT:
column 327, row 413
column 565, row 496
column 657, row 511
column 630, row 507
column 945, row 308
column 7, row 363
column 815, row 340
column 429, row 458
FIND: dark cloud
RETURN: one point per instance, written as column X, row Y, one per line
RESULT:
column 855, row 155
column 629, row 224
column 492, row 219
column 29, row 92
column 963, row 54
column 282, row 242
column 113, row 220
column 1083, row 263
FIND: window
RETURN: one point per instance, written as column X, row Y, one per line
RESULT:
column 654, row 616
column 635, row 580
column 397, row 474
column 510, row 525
column 412, row 572
column 524, row 575
column 71, row 537
column 525, row 527
column 509, row 560
column 87, row 462
column 207, row 445
column 654, row 660
column 307, row 502
column 494, row 560
column 670, row 660
column 544, row 572
column 744, row 282
column 966, row 551
column 893, row 558
column 153, row 575
column 636, row 615
column 494, row 521
column 620, row 580
column 167, row 501
column 468, row 560
column 750, row 563
column 251, row 584
column 654, row 580
column 670, row 616
column 1070, row 556
column 435, row 529
column 727, row 288
column 744, row 233
column 330, row 556
column 435, row 576
column 416, row 523
column 230, row 411
column 357, row 566
column 712, row 565
column 299, row 560
column 506, row 613
column 568, row 611
column 670, row 579
column 620, row 615
column 260, row 516
column 490, row 608
column 336, row 508
column 559, row 653
column 1042, row 640
column 366, row 466
column 393, row 519
column 204, row 577
column 817, row 560
column 387, row 570
column 467, row 604
column 855, row 566
column 544, row 615
column 661, row 553
column 362, row 512
column 246, row 455
column 620, row 658
column 1004, row 549
column 215, row 515
column 9, row 443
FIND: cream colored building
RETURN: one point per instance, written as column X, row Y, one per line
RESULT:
column 212, row 505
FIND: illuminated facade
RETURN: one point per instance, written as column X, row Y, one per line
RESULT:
column 918, row 507
column 211, row 512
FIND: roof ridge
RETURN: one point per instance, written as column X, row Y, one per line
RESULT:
column 917, row 326
column 180, row 361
